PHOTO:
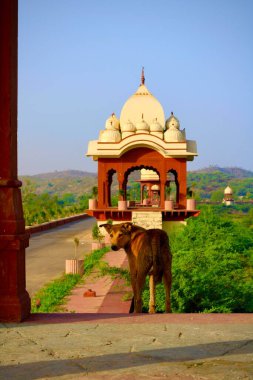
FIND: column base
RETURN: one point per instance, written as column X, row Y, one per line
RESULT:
column 15, row 308
column 15, row 303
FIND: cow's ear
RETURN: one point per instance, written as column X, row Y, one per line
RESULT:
column 107, row 226
column 127, row 227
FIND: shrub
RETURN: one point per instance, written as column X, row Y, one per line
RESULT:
column 212, row 267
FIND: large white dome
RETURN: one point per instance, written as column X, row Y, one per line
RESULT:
column 140, row 105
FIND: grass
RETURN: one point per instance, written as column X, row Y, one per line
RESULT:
column 51, row 296
column 93, row 259
column 114, row 272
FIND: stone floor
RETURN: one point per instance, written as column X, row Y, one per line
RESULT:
column 123, row 346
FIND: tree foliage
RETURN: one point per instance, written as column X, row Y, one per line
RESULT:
column 40, row 208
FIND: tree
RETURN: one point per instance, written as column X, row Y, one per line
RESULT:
column 217, row 196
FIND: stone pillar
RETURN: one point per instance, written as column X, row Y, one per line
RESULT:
column 163, row 180
column 14, row 299
column 101, row 184
column 142, row 188
column 122, row 185
column 108, row 191
column 182, row 180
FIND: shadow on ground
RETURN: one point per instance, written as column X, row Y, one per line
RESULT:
column 83, row 366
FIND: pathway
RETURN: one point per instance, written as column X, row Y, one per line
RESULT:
column 45, row 257
column 109, row 293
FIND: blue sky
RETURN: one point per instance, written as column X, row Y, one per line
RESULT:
column 80, row 60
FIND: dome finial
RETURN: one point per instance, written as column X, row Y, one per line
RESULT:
column 142, row 76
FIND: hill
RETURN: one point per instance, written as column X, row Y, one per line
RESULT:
column 64, row 174
column 61, row 182
column 234, row 172
column 208, row 182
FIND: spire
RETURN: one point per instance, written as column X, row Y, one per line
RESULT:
column 142, row 76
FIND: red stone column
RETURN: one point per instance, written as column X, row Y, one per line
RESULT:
column 102, row 170
column 14, row 299
column 182, row 180
column 142, row 188
column 163, row 179
column 122, row 184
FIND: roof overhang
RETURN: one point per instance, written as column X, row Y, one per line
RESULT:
column 187, row 149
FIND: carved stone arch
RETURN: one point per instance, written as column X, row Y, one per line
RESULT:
column 142, row 143
column 132, row 168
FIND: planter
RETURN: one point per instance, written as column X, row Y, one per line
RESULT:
column 93, row 204
column 74, row 266
column 191, row 204
column 97, row 245
column 168, row 205
column 122, row 205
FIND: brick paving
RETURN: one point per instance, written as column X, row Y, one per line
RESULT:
column 109, row 292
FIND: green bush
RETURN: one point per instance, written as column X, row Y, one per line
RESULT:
column 96, row 233
column 212, row 267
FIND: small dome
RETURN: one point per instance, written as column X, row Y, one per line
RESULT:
column 228, row 190
column 110, row 135
column 172, row 122
column 128, row 127
column 174, row 135
column 156, row 126
column 155, row 187
column 142, row 126
column 112, row 122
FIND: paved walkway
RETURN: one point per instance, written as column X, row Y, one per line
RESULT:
column 109, row 293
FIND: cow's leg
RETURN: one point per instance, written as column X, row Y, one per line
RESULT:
column 152, row 294
column 167, row 285
column 134, row 286
column 138, row 291
column 131, row 310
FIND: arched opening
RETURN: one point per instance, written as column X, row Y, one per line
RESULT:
column 133, row 188
column 112, row 188
column 143, row 186
column 145, row 194
column 172, row 186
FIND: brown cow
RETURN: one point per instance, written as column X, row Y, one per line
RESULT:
column 148, row 252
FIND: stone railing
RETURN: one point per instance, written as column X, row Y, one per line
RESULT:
column 55, row 223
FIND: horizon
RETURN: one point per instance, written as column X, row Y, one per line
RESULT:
column 79, row 63
column 91, row 172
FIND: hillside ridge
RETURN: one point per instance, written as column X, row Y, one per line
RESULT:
column 234, row 172
column 62, row 174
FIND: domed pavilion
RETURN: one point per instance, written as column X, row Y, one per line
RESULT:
column 142, row 139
